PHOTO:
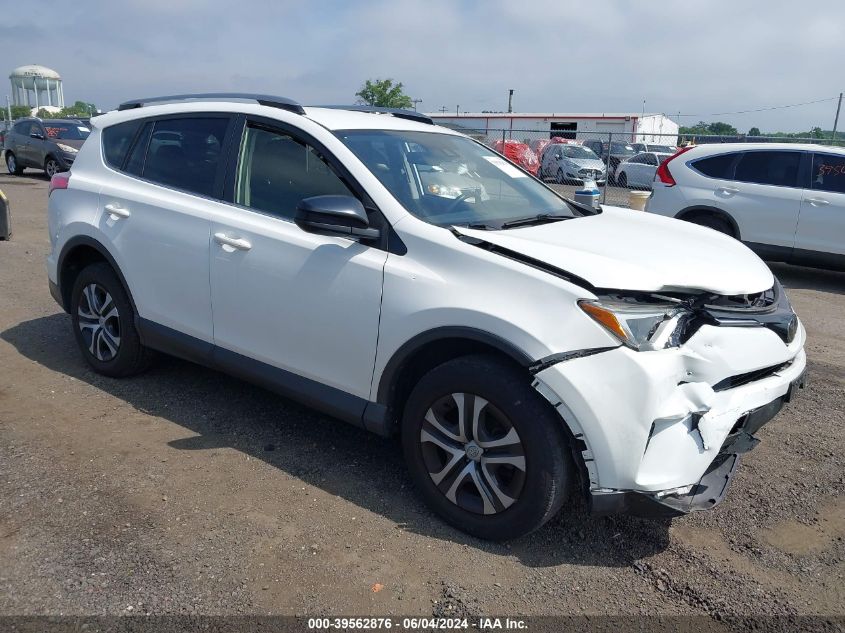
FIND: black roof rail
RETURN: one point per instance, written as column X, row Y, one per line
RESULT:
column 397, row 112
column 267, row 100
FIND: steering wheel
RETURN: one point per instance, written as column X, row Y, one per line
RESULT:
column 472, row 193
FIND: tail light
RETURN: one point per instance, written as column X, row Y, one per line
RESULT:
column 59, row 181
column 663, row 174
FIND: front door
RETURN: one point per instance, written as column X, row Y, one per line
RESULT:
column 305, row 306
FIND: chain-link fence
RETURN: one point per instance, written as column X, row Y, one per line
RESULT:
column 616, row 163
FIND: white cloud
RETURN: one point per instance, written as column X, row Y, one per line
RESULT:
column 693, row 57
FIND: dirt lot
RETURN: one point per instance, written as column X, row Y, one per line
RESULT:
column 186, row 491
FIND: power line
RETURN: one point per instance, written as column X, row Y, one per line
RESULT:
column 780, row 107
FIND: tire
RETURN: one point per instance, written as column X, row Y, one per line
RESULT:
column 622, row 180
column 537, row 475
column 712, row 222
column 12, row 164
column 104, row 323
column 51, row 167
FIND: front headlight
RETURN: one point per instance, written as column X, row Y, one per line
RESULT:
column 67, row 148
column 640, row 326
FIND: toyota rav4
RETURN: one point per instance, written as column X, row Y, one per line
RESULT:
column 407, row 279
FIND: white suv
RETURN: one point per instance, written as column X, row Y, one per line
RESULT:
column 784, row 200
column 407, row 279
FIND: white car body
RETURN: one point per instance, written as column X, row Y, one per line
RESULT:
column 342, row 316
column 638, row 171
column 799, row 220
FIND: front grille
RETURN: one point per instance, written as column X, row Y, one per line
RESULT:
column 732, row 382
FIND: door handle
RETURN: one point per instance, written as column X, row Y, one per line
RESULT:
column 729, row 190
column 238, row 243
column 818, row 202
column 117, row 212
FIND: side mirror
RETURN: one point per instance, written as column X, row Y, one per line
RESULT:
column 37, row 135
column 342, row 216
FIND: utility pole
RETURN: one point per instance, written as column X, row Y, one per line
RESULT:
column 443, row 109
column 416, row 101
column 457, row 110
column 510, row 100
column 8, row 110
column 835, row 121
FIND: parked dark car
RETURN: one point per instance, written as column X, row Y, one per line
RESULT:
column 611, row 153
column 48, row 144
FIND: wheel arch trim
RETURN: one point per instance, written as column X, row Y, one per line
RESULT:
column 398, row 360
column 86, row 241
column 683, row 214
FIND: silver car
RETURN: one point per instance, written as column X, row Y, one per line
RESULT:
column 571, row 164
column 638, row 171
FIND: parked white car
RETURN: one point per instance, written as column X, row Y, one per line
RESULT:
column 524, row 347
column 784, row 200
column 571, row 164
column 638, row 171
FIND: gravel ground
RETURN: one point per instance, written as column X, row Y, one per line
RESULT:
column 184, row 491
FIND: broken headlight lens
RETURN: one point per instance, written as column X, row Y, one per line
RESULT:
column 640, row 326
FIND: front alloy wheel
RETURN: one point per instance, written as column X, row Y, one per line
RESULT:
column 99, row 322
column 473, row 453
column 51, row 167
column 484, row 449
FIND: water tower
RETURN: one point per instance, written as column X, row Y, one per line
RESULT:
column 36, row 87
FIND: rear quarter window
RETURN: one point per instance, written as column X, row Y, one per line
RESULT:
column 769, row 168
column 117, row 139
column 720, row 166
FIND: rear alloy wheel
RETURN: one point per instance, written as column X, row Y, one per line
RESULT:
column 51, row 167
column 12, row 164
column 104, row 323
column 485, row 450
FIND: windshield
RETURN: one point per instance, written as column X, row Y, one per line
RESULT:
column 622, row 149
column 66, row 131
column 662, row 149
column 577, row 151
column 446, row 179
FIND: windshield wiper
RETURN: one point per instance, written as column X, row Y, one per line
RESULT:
column 540, row 218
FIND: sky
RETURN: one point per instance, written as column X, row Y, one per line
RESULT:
column 697, row 58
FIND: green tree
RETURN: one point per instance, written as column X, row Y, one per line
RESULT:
column 755, row 131
column 19, row 112
column 384, row 93
column 722, row 129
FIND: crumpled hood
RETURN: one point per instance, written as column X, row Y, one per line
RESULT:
column 632, row 250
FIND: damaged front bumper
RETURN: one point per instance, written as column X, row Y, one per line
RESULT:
column 661, row 432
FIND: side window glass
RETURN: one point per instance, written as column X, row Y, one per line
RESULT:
column 184, row 153
column 276, row 171
column 116, row 141
column 829, row 173
column 720, row 166
column 138, row 153
column 651, row 159
column 769, row 168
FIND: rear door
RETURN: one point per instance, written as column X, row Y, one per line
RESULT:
column 154, row 209
column 764, row 197
column 821, row 224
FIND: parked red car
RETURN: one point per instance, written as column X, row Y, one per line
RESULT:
column 518, row 153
